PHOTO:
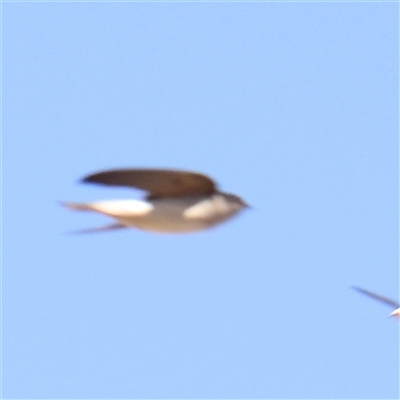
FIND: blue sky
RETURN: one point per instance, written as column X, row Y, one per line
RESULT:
column 292, row 106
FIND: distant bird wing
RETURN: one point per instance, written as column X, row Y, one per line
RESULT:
column 158, row 182
column 378, row 297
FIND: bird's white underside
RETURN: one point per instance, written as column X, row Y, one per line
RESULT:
column 396, row 313
column 181, row 214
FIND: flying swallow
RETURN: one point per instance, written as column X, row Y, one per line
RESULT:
column 176, row 201
column 382, row 299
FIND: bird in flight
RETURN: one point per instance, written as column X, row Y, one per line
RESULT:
column 394, row 304
column 176, row 202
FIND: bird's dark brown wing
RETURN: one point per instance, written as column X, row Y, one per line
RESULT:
column 378, row 297
column 158, row 182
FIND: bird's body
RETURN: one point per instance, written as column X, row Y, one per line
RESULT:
column 179, row 201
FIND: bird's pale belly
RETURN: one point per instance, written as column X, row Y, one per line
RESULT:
column 188, row 214
column 165, row 224
column 167, row 215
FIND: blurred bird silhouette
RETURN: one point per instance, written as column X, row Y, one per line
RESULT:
column 177, row 201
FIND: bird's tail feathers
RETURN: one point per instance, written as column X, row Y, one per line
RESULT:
column 106, row 228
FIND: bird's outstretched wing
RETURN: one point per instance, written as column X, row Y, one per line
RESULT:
column 378, row 297
column 158, row 182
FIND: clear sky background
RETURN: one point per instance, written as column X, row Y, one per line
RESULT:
column 294, row 107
